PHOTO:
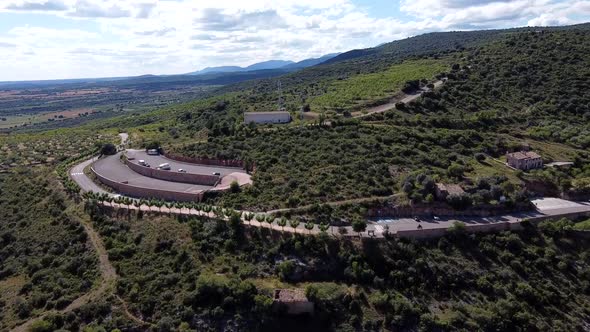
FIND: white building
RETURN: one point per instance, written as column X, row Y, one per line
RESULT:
column 267, row 117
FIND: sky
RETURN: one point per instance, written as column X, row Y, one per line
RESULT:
column 57, row 39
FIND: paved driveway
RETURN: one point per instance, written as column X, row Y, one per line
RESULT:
column 557, row 206
column 85, row 183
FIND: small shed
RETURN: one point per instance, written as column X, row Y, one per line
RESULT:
column 292, row 302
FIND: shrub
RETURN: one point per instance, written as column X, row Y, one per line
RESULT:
column 41, row 326
column 235, row 187
column 108, row 149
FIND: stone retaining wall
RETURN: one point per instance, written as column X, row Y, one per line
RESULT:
column 206, row 161
column 139, row 192
column 202, row 179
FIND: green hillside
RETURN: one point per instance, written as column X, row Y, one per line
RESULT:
column 207, row 275
column 367, row 89
column 498, row 96
column 46, row 260
column 505, row 90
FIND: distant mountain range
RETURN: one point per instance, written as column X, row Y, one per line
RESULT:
column 267, row 65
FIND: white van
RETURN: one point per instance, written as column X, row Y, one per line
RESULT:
column 164, row 166
column 142, row 162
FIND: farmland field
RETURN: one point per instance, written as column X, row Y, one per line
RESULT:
column 364, row 89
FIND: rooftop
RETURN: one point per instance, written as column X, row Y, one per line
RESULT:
column 452, row 189
column 261, row 113
column 521, row 155
column 290, row 295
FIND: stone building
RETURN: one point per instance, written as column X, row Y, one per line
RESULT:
column 524, row 160
column 445, row 190
column 292, row 302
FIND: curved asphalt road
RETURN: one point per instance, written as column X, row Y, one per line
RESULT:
column 85, row 183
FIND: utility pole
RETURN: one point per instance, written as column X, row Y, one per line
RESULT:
column 281, row 102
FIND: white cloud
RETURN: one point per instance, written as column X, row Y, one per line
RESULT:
column 453, row 14
column 32, row 5
column 85, row 8
column 134, row 37
column 7, row 45
column 215, row 19
column 548, row 20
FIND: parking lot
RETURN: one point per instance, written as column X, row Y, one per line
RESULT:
column 155, row 161
column 112, row 168
column 556, row 206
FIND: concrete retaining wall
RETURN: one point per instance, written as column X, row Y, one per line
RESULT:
column 439, row 232
column 442, row 210
column 572, row 215
column 206, row 161
column 202, row 179
column 139, row 192
column 486, row 228
column 422, row 233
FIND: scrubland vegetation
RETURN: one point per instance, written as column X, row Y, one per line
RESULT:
column 505, row 91
column 197, row 274
column 45, row 258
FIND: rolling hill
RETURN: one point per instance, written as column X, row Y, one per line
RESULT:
column 504, row 90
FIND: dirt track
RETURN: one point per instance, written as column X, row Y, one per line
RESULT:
column 108, row 277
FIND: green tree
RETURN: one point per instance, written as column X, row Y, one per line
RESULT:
column 309, row 226
column 455, row 170
column 359, row 225
column 324, row 227
column 234, row 187
column 294, row 223
column 41, row 326
column 282, row 222
column 108, row 149
column 248, row 217
column 269, row 220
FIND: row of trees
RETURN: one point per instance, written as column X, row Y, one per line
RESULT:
column 221, row 213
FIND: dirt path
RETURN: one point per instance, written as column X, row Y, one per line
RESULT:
column 130, row 315
column 391, row 105
column 107, row 282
